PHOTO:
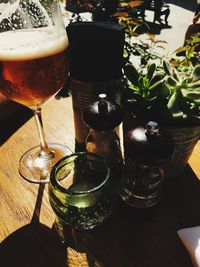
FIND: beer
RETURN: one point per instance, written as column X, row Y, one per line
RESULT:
column 33, row 64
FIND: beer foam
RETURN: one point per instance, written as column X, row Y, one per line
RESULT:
column 32, row 44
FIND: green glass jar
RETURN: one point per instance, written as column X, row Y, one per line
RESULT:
column 80, row 192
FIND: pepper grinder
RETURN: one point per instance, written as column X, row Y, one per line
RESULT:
column 102, row 117
column 148, row 149
column 96, row 62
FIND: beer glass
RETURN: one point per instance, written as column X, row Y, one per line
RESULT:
column 33, row 68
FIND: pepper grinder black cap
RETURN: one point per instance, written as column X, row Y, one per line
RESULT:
column 96, row 51
column 148, row 145
column 103, row 115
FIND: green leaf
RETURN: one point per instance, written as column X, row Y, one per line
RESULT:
column 167, row 68
column 191, row 95
column 157, row 84
column 171, row 81
column 185, row 106
column 141, row 84
column 173, row 100
column 180, row 49
column 175, row 74
column 190, row 52
column 135, row 97
column 155, row 79
column 152, row 100
column 131, row 73
column 185, row 82
column 150, row 70
column 194, row 85
column 173, row 106
column 196, row 74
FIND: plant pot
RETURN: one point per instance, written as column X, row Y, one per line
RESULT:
column 185, row 139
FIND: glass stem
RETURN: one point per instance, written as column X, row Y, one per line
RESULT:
column 44, row 149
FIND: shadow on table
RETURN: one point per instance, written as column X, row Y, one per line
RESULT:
column 122, row 241
column 119, row 241
column 23, row 247
column 189, row 5
column 156, row 28
column 12, row 117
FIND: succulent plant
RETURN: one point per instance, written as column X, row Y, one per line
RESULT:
column 163, row 94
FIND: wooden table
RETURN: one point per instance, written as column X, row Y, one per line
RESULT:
column 26, row 218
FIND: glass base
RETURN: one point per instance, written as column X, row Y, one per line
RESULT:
column 36, row 169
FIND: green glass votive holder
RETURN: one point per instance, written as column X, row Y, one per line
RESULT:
column 80, row 190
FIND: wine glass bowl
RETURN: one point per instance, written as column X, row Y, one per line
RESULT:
column 32, row 81
column 34, row 64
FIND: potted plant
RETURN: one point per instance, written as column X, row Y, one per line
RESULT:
column 170, row 96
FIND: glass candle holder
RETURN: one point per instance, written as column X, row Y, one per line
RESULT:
column 80, row 190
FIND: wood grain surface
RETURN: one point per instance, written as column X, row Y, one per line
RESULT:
column 28, row 237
